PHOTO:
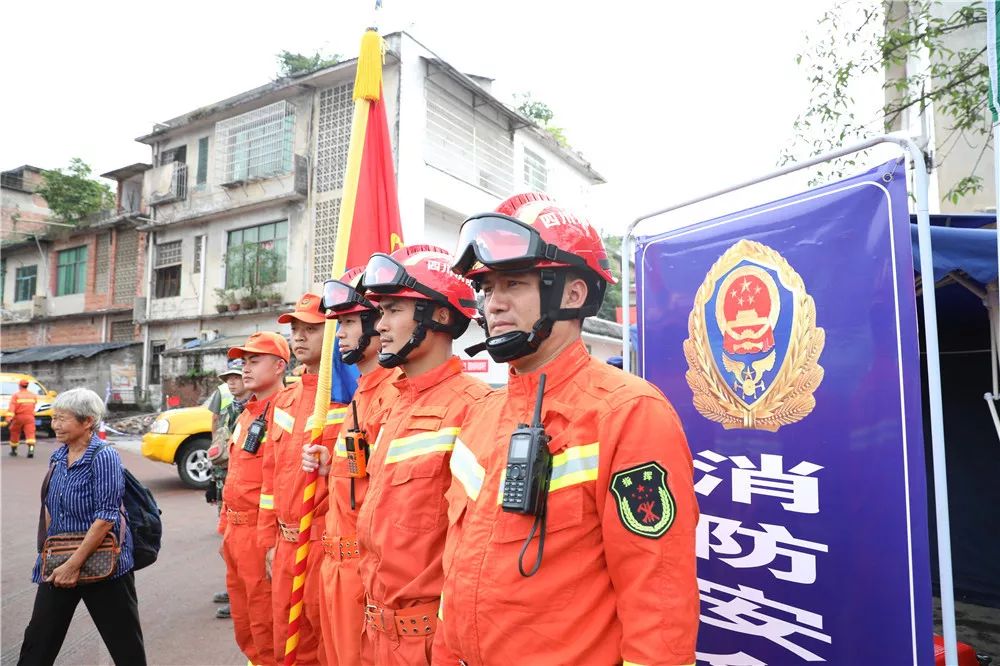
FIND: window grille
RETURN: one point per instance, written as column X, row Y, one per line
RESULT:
column 198, row 242
column 336, row 111
column 535, row 173
column 467, row 143
column 325, row 238
column 25, row 280
column 168, row 254
column 256, row 144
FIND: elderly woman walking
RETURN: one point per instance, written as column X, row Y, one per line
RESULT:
column 86, row 485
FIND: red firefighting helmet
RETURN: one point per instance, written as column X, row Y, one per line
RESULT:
column 530, row 231
column 346, row 295
column 422, row 272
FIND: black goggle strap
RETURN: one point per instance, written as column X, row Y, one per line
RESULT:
column 368, row 331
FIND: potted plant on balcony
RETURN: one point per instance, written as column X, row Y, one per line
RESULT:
column 274, row 298
column 222, row 300
column 248, row 301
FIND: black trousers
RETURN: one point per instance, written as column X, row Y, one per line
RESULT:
column 112, row 605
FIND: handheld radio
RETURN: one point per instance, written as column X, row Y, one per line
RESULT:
column 529, row 465
column 357, row 448
column 357, row 452
column 255, row 433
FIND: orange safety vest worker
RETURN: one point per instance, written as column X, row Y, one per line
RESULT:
column 403, row 520
column 342, row 594
column 614, row 584
column 284, row 482
column 248, row 586
column 281, row 508
column 22, row 411
column 602, row 570
column 246, row 579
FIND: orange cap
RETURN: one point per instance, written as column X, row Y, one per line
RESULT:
column 306, row 310
column 263, row 342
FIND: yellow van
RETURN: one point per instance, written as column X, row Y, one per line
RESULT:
column 10, row 384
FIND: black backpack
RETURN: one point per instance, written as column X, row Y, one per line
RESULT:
column 144, row 522
column 143, row 516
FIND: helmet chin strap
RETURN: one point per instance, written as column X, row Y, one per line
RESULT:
column 423, row 314
column 517, row 344
column 354, row 356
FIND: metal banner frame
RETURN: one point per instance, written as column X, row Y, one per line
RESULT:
column 930, row 340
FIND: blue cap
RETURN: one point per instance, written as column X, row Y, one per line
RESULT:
column 234, row 367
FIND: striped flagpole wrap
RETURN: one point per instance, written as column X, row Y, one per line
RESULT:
column 367, row 88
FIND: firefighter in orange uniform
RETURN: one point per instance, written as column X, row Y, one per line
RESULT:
column 266, row 358
column 403, row 521
column 283, row 483
column 22, row 417
column 342, row 594
column 613, row 580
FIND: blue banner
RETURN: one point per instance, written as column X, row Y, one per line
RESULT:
column 786, row 338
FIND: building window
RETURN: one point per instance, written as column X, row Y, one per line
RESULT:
column 176, row 154
column 168, row 270
column 469, row 140
column 122, row 331
column 202, row 176
column 256, row 144
column 535, row 173
column 155, row 349
column 255, row 256
column 25, row 282
column 72, row 273
column 198, row 242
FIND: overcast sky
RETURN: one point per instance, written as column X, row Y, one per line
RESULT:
column 666, row 99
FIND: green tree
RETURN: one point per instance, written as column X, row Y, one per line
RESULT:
column 72, row 195
column 298, row 64
column 613, row 295
column 542, row 114
column 859, row 38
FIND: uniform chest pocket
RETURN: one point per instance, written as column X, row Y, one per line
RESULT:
column 415, row 498
column 565, row 510
column 508, row 590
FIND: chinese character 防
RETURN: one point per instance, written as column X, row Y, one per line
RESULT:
column 718, row 535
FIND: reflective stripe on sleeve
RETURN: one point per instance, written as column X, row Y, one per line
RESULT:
column 467, row 469
column 284, row 420
column 418, row 445
column 267, row 502
column 340, row 448
column 333, row 417
column 574, row 465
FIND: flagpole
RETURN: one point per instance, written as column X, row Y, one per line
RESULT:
column 367, row 88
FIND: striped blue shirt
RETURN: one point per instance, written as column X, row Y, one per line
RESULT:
column 93, row 487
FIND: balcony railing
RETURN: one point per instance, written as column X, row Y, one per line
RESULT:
column 168, row 183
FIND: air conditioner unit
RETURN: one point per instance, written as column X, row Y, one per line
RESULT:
column 38, row 306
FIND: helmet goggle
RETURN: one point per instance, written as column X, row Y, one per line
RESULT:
column 504, row 243
column 385, row 275
column 338, row 296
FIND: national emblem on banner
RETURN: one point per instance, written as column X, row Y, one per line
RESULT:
column 753, row 346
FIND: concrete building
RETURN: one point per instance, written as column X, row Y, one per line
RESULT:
column 951, row 155
column 74, row 285
column 22, row 211
column 245, row 193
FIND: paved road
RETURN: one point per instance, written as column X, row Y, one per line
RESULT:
column 175, row 594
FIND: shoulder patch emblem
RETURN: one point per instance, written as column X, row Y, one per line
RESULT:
column 645, row 505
